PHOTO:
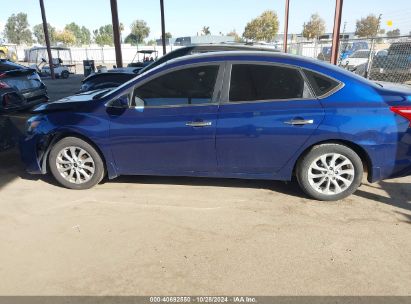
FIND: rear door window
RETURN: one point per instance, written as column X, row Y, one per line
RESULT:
column 257, row 82
column 321, row 84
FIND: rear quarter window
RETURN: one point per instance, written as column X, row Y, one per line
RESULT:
column 321, row 84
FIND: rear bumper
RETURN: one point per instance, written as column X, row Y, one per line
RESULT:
column 397, row 163
column 35, row 97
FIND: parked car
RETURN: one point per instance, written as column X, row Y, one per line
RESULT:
column 24, row 82
column 395, row 66
column 359, row 59
column 346, row 49
column 10, row 99
column 120, row 76
column 252, row 115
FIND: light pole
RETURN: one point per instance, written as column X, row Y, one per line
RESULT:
column 163, row 27
column 116, row 33
column 47, row 38
column 336, row 31
column 287, row 7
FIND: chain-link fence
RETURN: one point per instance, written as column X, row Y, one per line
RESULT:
column 380, row 58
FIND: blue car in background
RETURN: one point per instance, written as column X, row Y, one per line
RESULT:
column 250, row 115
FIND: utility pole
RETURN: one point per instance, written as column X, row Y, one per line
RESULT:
column 336, row 31
column 346, row 45
column 163, row 27
column 116, row 33
column 369, row 65
column 47, row 38
column 285, row 40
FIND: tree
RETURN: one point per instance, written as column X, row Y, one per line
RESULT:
column 205, row 31
column 262, row 28
column 394, row 33
column 368, row 26
column 131, row 39
column 314, row 28
column 234, row 34
column 104, row 35
column 82, row 34
column 17, row 29
column 85, row 35
column 66, row 37
column 140, row 29
column 38, row 32
column 168, row 35
column 151, row 42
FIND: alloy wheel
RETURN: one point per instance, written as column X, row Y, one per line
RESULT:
column 331, row 173
column 75, row 165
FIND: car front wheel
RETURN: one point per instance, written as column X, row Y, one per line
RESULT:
column 76, row 164
column 330, row 172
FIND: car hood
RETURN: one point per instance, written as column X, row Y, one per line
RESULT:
column 83, row 101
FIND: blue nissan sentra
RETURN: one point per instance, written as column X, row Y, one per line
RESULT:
column 250, row 115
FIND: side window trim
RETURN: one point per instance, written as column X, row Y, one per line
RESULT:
column 217, row 85
column 225, row 95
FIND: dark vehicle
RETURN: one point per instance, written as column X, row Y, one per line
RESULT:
column 252, row 115
column 116, row 78
column 10, row 99
column 395, row 66
column 113, row 78
column 24, row 82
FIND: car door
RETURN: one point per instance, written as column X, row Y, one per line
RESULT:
column 170, row 126
column 267, row 112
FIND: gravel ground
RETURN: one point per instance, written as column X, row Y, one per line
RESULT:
column 192, row 236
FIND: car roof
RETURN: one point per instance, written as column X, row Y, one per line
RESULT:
column 236, row 46
column 242, row 53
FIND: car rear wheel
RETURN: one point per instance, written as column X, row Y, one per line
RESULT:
column 76, row 164
column 330, row 172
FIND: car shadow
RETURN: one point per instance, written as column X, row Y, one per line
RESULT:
column 399, row 194
column 289, row 188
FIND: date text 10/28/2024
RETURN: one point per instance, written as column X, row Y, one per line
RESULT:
column 205, row 299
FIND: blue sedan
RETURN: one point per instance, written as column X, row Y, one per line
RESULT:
column 250, row 115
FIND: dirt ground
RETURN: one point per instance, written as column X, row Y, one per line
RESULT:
column 192, row 236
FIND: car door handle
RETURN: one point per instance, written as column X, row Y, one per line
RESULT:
column 299, row 122
column 199, row 124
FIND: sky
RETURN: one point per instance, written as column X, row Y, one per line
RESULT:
column 187, row 17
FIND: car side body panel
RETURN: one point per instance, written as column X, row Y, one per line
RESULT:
column 357, row 114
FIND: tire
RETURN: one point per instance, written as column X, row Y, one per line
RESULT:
column 83, row 171
column 341, row 178
column 65, row 75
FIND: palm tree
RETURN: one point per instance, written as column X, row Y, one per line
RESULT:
column 206, row 30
